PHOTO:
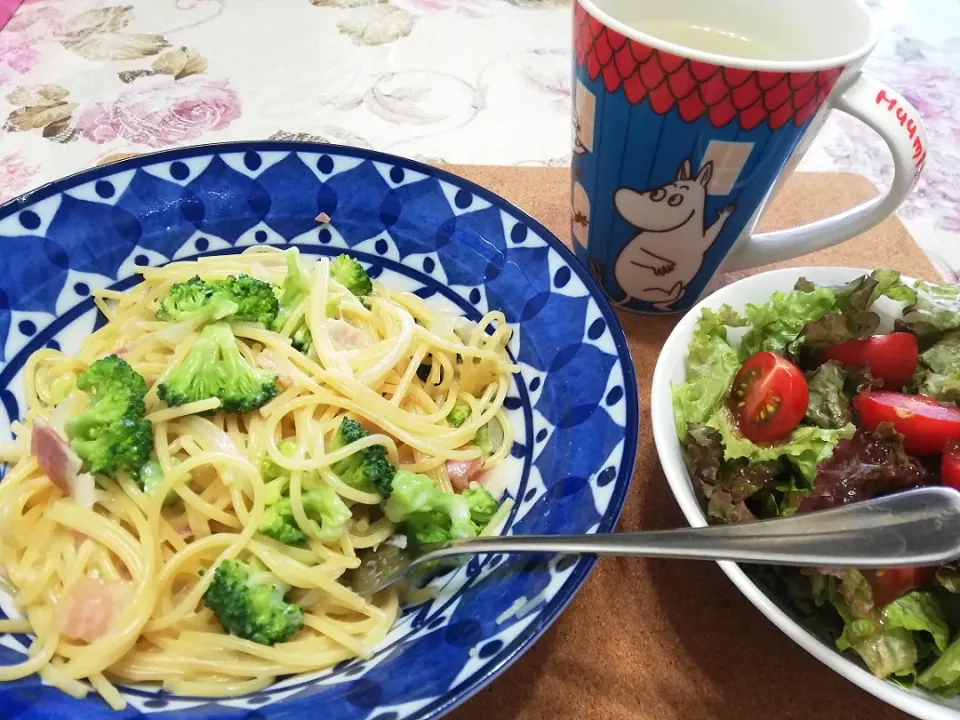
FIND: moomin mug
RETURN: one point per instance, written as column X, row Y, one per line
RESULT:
column 679, row 141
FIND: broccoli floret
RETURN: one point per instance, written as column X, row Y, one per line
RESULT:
column 269, row 470
column 330, row 508
column 214, row 367
column 242, row 298
column 113, row 374
column 459, row 414
column 248, row 610
column 278, row 523
column 431, row 527
column 487, row 440
column 295, row 287
column 255, row 299
column 367, row 469
column 289, row 296
column 482, row 440
column 426, row 513
column 276, row 489
column 301, row 339
column 323, row 502
column 350, row 273
column 278, row 479
column 483, row 506
column 293, row 290
column 191, row 299
column 111, row 434
column 151, row 478
column 320, row 501
column 124, row 444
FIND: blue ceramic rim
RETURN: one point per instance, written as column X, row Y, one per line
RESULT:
column 581, row 571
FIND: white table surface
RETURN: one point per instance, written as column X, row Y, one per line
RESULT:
column 460, row 81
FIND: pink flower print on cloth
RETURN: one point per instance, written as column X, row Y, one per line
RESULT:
column 470, row 8
column 159, row 112
column 17, row 56
column 36, row 23
column 15, row 175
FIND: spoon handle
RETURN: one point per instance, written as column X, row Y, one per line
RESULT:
column 914, row 528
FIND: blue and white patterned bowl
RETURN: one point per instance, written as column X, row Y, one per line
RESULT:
column 573, row 406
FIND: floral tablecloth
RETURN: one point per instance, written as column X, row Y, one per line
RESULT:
column 460, row 81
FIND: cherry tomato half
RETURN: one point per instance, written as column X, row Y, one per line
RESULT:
column 950, row 465
column 891, row 357
column 890, row 583
column 926, row 425
column 769, row 397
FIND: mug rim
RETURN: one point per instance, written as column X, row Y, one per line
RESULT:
column 720, row 60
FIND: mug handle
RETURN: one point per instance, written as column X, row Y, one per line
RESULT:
column 898, row 123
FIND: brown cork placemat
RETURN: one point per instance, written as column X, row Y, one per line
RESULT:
column 663, row 639
column 675, row 640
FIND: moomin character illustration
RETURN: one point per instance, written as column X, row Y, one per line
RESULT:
column 580, row 219
column 584, row 109
column 672, row 236
column 579, row 147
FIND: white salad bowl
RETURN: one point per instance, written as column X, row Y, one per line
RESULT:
column 670, row 371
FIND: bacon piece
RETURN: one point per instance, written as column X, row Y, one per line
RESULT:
column 54, row 456
column 86, row 611
column 347, row 336
column 461, row 471
column 269, row 362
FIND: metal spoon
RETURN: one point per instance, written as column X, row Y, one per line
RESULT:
column 914, row 528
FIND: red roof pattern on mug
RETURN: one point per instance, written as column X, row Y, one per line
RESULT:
column 696, row 88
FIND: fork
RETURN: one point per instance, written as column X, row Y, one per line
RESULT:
column 913, row 528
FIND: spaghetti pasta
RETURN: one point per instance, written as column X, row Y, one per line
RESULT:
column 116, row 588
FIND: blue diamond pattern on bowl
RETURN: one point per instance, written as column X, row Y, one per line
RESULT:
column 573, row 405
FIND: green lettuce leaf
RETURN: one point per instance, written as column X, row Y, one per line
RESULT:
column 861, row 293
column 776, row 324
column 918, row 611
column 791, row 489
column 828, row 407
column 948, row 577
column 885, row 651
column 732, row 490
column 938, row 373
column 860, row 380
column 819, row 588
column 703, row 455
column 935, row 309
column 710, row 367
column 804, row 448
column 852, row 317
column 852, row 595
column 888, row 640
column 831, row 329
column 943, row 676
column 808, row 591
